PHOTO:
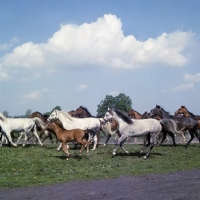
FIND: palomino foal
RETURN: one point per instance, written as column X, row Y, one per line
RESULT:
column 65, row 136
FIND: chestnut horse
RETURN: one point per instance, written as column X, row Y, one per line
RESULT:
column 65, row 136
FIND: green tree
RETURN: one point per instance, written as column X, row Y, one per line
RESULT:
column 121, row 102
column 56, row 108
column 28, row 113
column 5, row 113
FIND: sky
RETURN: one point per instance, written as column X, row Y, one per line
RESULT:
column 71, row 53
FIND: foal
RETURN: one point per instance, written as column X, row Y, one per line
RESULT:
column 65, row 136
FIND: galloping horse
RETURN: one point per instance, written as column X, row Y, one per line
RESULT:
column 134, row 128
column 65, row 136
column 91, row 125
column 183, row 123
column 18, row 125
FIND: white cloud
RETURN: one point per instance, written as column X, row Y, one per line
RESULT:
column 3, row 76
column 101, row 43
column 182, row 87
column 192, row 78
column 6, row 46
column 35, row 95
column 82, row 87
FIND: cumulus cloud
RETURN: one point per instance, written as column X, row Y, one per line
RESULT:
column 82, row 87
column 192, row 78
column 101, row 43
column 35, row 95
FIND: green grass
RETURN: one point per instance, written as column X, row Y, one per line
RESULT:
column 36, row 166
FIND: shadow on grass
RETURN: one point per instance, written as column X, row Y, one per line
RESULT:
column 136, row 154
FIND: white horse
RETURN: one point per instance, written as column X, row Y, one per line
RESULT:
column 134, row 128
column 90, row 124
column 18, row 125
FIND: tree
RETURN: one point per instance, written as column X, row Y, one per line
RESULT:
column 28, row 113
column 56, row 108
column 121, row 102
column 5, row 113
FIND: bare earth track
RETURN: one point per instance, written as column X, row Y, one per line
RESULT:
column 179, row 185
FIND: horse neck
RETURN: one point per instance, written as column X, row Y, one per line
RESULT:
column 164, row 114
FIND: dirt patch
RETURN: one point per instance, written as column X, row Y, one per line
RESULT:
column 179, row 185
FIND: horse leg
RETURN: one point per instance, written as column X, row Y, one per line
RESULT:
column 95, row 143
column 197, row 135
column 145, row 145
column 120, row 141
column 65, row 149
column 59, row 147
column 121, row 145
column 192, row 137
column 173, row 138
column 36, row 135
column 108, row 137
column 8, row 136
column 152, row 143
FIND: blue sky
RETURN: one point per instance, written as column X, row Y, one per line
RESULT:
column 71, row 53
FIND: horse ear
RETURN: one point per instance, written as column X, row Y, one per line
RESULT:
column 182, row 106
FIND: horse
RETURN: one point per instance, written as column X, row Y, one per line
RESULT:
column 168, row 127
column 183, row 123
column 110, row 128
column 134, row 114
column 41, row 127
column 185, row 112
column 82, row 112
column 91, row 124
column 18, row 125
column 133, row 128
column 65, row 136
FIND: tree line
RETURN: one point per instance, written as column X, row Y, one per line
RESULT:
column 121, row 102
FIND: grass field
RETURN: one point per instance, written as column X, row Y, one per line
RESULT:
column 36, row 166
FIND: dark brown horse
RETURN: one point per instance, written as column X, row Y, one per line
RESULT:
column 183, row 123
column 134, row 114
column 65, row 136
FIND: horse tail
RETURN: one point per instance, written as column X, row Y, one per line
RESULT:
column 172, row 126
column 38, row 122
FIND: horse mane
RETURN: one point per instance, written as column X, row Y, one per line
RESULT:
column 124, row 116
column 189, row 112
column 2, row 117
column 135, row 111
column 86, row 110
column 162, row 109
column 65, row 114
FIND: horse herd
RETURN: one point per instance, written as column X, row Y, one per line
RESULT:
column 83, row 128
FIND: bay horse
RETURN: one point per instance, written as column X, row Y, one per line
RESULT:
column 65, row 136
column 133, row 128
column 183, row 123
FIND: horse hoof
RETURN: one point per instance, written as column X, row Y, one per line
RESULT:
column 104, row 144
column 141, row 151
column 114, row 153
column 88, row 154
column 93, row 149
column 145, row 157
column 127, row 152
